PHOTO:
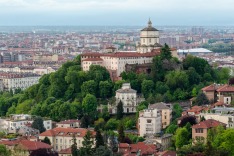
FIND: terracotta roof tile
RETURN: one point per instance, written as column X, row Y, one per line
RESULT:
column 208, row 124
column 66, row 132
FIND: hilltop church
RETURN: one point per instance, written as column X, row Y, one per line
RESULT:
column 117, row 62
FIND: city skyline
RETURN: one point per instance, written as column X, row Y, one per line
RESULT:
column 110, row 12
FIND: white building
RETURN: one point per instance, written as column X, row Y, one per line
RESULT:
column 12, row 81
column 128, row 97
column 149, row 122
column 16, row 121
column 221, row 114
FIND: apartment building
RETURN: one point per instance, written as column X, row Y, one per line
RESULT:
column 69, row 123
column 166, row 113
column 221, row 114
column 149, row 122
column 222, row 93
column 18, row 122
column 200, row 130
column 13, row 81
column 62, row 138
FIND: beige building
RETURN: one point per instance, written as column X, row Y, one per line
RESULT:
column 69, row 124
column 149, row 122
column 200, row 130
column 12, row 81
column 222, row 93
column 166, row 113
column 221, row 114
column 61, row 138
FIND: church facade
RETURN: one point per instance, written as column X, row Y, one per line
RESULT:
column 115, row 62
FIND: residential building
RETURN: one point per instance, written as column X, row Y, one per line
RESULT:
column 149, row 122
column 200, row 130
column 21, row 122
column 62, row 138
column 128, row 97
column 13, row 81
column 163, row 142
column 139, row 149
column 222, row 93
column 25, row 147
column 69, row 123
column 166, row 112
column 221, row 114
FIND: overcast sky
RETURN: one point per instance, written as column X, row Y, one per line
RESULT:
column 116, row 12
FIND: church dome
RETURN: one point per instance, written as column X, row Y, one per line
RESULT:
column 149, row 28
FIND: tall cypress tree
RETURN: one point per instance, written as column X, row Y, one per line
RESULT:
column 87, row 145
column 99, row 138
column 121, row 136
column 74, row 149
column 120, row 110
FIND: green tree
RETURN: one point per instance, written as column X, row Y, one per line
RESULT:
column 89, row 104
column 105, row 89
column 74, row 148
column 4, row 151
column 38, row 124
column 147, row 87
column 86, row 149
column 89, row 87
column 102, row 151
column 171, row 129
column 99, row 138
column 201, row 99
column 181, row 137
column 112, row 124
column 121, row 135
column 120, row 110
column 46, row 140
column 165, row 52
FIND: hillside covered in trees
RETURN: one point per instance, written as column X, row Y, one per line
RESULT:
column 70, row 92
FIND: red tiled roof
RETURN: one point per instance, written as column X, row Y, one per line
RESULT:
column 226, row 88
column 124, row 54
column 208, row 124
column 167, row 153
column 146, row 149
column 65, row 151
column 123, row 145
column 93, row 59
column 34, row 145
column 27, row 144
column 66, row 132
column 209, row 88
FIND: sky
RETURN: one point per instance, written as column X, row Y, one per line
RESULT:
column 116, row 12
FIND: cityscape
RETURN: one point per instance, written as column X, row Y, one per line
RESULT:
column 148, row 87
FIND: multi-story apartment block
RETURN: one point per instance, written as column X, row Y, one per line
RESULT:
column 149, row 122
column 12, row 81
column 62, row 138
column 166, row 113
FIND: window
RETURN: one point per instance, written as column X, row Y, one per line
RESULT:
column 148, row 121
column 150, row 40
column 199, row 130
column 165, row 117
